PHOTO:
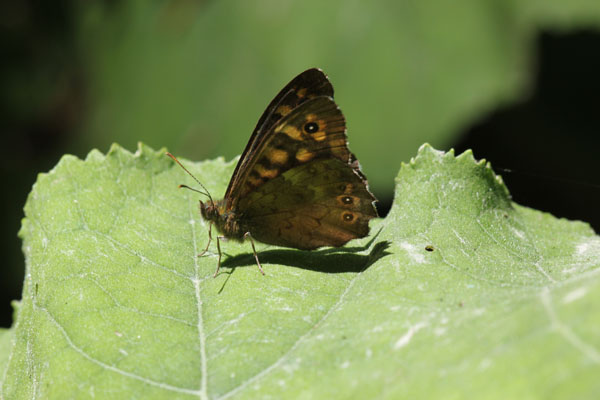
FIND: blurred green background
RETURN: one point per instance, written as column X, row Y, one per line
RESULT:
column 517, row 81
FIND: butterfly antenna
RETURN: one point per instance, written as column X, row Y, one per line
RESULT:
column 192, row 189
column 196, row 179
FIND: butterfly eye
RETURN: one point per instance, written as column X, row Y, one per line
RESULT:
column 348, row 217
column 311, row 127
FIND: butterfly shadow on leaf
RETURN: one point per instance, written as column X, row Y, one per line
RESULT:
column 330, row 260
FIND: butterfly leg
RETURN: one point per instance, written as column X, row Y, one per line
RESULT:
column 209, row 239
column 247, row 235
column 219, row 251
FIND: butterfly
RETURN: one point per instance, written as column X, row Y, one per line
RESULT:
column 296, row 184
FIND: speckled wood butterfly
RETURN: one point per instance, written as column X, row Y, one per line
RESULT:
column 296, row 184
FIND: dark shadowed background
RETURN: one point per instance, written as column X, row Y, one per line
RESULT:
column 517, row 82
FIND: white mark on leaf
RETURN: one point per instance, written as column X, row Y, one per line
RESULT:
column 582, row 248
column 588, row 248
column 574, row 295
column 478, row 311
column 406, row 338
column 413, row 252
column 460, row 238
column 439, row 331
column 518, row 233
column 485, row 364
column 292, row 366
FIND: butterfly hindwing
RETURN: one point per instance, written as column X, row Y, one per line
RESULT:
column 320, row 203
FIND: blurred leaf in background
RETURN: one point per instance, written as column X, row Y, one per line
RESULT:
column 195, row 75
column 197, row 79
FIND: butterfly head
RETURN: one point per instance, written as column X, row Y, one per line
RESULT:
column 209, row 211
column 225, row 220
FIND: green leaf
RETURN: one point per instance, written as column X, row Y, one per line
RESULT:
column 457, row 293
column 6, row 337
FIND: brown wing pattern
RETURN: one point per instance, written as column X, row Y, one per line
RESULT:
column 307, row 85
column 314, row 130
column 324, row 202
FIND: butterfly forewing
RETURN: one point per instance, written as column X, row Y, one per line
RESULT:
column 314, row 130
column 307, row 85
